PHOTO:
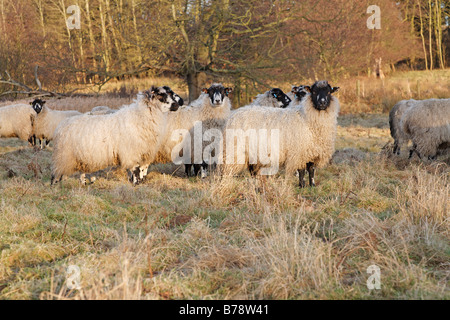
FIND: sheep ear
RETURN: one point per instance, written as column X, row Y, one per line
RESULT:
column 228, row 90
column 205, row 90
column 294, row 89
column 334, row 89
column 307, row 88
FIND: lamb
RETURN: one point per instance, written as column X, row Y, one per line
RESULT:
column 275, row 98
column 427, row 122
column 17, row 121
column 47, row 120
column 101, row 110
column 129, row 137
column 395, row 115
column 306, row 132
column 211, row 109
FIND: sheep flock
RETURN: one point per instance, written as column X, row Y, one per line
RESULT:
column 295, row 132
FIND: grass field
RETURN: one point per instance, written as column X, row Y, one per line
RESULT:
column 230, row 237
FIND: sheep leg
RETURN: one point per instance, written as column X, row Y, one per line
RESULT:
column 311, row 171
column 204, row 170
column 83, row 179
column 301, row 178
column 143, row 172
column 252, row 169
column 414, row 149
column 396, row 149
column 54, row 180
column 32, row 140
column 134, row 175
column 188, row 169
column 197, row 168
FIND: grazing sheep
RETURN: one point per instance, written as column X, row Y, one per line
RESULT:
column 17, row 121
column 101, row 110
column 273, row 98
column 427, row 122
column 395, row 115
column 129, row 137
column 306, row 132
column 47, row 120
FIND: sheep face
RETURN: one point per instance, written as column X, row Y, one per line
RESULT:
column 169, row 100
column 37, row 105
column 321, row 94
column 217, row 94
column 299, row 91
column 176, row 97
column 283, row 100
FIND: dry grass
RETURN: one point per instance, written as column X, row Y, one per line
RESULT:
column 230, row 237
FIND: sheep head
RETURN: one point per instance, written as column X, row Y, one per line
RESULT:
column 299, row 91
column 37, row 105
column 217, row 94
column 321, row 94
column 282, row 99
column 168, row 99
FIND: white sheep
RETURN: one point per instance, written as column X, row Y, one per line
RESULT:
column 47, row 120
column 274, row 97
column 129, row 137
column 210, row 110
column 306, row 134
column 427, row 122
column 17, row 121
column 395, row 116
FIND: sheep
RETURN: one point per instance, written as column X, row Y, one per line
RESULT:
column 215, row 108
column 211, row 109
column 129, row 137
column 395, row 115
column 427, row 122
column 101, row 110
column 306, row 133
column 297, row 94
column 17, row 121
column 47, row 120
column 275, row 97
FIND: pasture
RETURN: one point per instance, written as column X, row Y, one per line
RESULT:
column 231, row 237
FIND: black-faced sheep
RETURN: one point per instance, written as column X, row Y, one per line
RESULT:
column 47, row 120
column 306, row 135
column 17, row 121
column 210, row 110
column 274, row 97
column 130, row 137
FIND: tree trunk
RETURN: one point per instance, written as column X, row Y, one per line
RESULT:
column 195, row 81
column 430, row 27
column 91, row 35
column 105, row 41
column 422, row 36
